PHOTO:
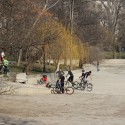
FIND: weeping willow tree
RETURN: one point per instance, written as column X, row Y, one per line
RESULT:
column 63, row 48
column 53, row 40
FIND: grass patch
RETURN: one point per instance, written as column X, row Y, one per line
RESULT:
column 109, row 55
column 16, row 68
column 36, row 69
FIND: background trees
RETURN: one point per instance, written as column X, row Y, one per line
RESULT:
column 31, row 29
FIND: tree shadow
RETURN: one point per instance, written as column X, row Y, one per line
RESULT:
column 18, row 121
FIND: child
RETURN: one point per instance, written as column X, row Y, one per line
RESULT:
column 45, row 79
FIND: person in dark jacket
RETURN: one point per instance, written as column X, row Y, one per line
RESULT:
column 62, row 78
column 71, row 76
column 82, row 77
column 88, row 75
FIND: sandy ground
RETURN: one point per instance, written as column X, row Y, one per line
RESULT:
column 105, row 105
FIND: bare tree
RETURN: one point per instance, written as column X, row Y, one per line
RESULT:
column 19, row 21
column 112, row 9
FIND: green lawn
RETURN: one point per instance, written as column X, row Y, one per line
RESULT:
column 109, row 55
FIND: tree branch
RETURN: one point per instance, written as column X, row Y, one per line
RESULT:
column 104, row 4
column 39, row 16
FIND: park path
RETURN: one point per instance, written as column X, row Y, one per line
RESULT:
column 109, row 80
column 103, row 106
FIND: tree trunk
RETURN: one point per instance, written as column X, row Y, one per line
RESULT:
column 80, row 63
column 65, row 61
column 28, row 69
column 19, row 57
column 57, row 67
column 114, row 54
column 119, row 52
column 71, row 28
column 57, row 64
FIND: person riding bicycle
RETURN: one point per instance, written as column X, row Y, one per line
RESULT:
column 59, row 74
column 87, row 75
column 82, row 76
column 71, row 76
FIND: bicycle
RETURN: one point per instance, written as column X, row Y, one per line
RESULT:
column 84, row 85
column 73, row 84
column 57, row 90
column 50, row 85
column 40, row 82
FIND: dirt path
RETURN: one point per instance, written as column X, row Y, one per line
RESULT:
column 80, row 108
column 105, row 105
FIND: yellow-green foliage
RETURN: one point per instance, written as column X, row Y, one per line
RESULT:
column 64, row 45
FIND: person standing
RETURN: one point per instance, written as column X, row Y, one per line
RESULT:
column 98, row 66
column 62, row 78
column 5, row 64
column 2, row 55
column 59, row 74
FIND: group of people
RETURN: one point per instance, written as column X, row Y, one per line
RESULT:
column 4, row 64
column 61, row 77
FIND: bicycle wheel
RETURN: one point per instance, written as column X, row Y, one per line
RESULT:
column 75, row 85
column 82, row 86
column 89, row 87
column 41, row 82
column 53, row 91
column 69, row 90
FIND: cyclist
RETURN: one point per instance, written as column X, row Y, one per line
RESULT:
column 71, row 76
column 82, row 77
column 88, row 75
